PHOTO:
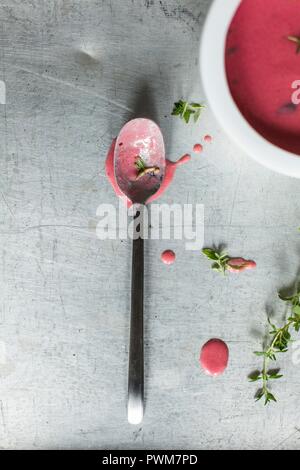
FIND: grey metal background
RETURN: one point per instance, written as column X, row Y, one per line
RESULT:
column 75, row 71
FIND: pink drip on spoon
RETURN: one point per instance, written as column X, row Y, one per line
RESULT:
column 170, row 170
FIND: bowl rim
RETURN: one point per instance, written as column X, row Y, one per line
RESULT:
column 216, row 89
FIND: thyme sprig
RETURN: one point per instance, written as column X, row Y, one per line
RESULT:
column 185, row 110
column 220, row 259
column 143, row 169
column 279, row 343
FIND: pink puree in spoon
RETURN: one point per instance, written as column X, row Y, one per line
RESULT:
column 167, row 179
column 214, row 356
column 261, row 65
column 208, row 138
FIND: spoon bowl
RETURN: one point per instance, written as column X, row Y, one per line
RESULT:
column 139, row 139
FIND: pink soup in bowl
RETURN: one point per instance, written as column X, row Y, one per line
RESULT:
column 250, row 68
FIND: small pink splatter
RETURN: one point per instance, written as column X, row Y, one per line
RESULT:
column 168, row 257
column 198, row 148
column 214, row 357
column 207, row 138
column 236, row 265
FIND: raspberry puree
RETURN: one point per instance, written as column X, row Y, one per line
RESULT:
column 214, row 356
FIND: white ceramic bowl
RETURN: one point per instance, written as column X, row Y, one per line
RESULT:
column 212, row 69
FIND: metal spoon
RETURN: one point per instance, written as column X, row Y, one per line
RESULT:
column 138, row 139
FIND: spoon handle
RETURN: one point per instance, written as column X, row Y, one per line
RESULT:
column 136, row 349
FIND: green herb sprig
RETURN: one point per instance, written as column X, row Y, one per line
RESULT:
column 140, row 164
column 279, row 343
column 185, row 110
column 143, row 169
column 220, row 259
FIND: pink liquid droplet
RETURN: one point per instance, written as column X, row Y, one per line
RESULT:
column 171, row 167
column 198, row 148
column 168, row 257
column 214, row 357
column 207, row 138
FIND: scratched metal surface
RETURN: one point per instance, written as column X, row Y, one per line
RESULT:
column 75, row 71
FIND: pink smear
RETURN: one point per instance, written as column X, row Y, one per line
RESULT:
column 168, row 257
column 198, row 148
column 207, row 138
column 262, row 64
column 214, row 357
column 236, row 265
column 168, row 178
